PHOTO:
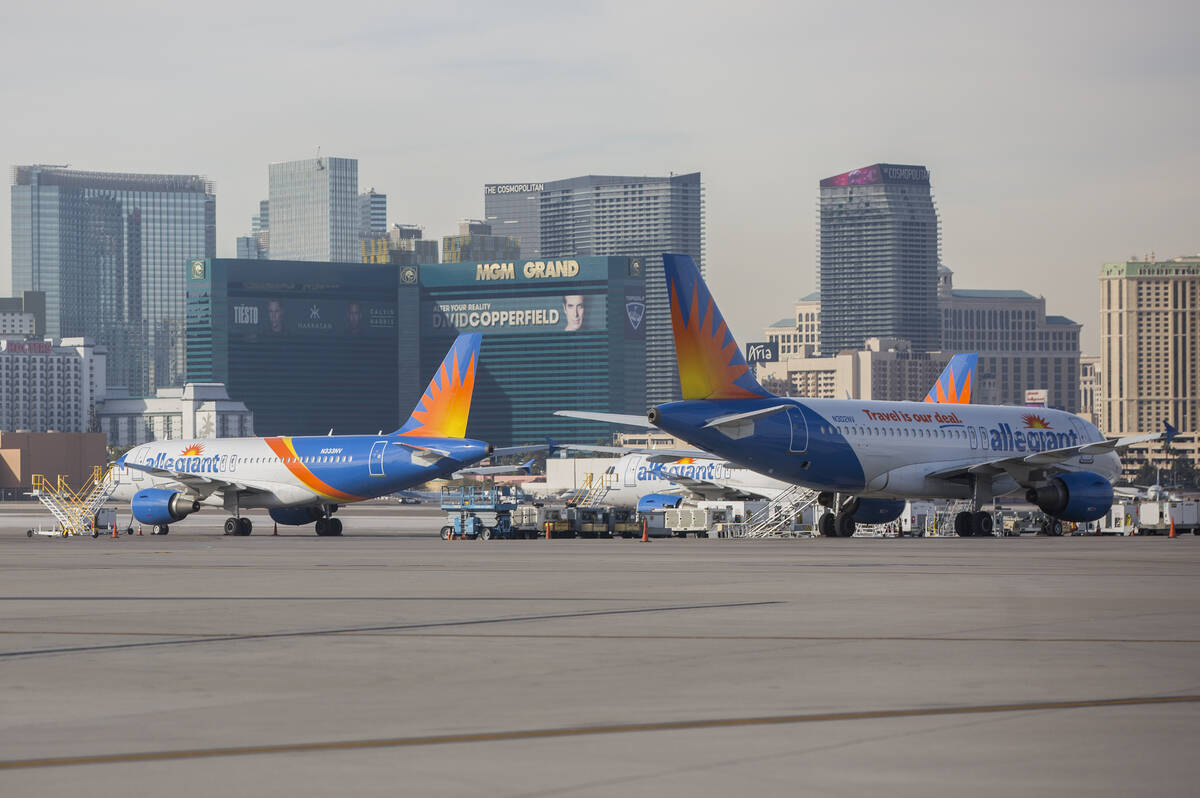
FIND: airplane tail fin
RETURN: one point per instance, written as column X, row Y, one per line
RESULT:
column 443, row 409
column 711, row 365
column 954, row 384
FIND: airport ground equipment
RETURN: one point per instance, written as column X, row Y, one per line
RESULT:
column 75, row 510
column 478, row 512
column 784, row 515
column 1153, row 517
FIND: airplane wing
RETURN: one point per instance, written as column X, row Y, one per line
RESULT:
column 203, row 486
column 711, row 491
column 672, row 454
column 516, row 468
column 549, row 447
column 1019, row 466
column 628, row 420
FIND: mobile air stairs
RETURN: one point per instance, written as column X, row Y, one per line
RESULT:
column 779, row 517
column 76, row 511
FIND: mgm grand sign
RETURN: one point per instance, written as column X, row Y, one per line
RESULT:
column 530, row 270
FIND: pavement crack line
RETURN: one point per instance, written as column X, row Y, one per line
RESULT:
column 387, row 628
column 583, row 731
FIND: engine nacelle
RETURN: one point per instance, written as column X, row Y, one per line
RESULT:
column 160, row 506
column 658, row 501
column 295, row 516
column 877, row 511
column 1077, row 496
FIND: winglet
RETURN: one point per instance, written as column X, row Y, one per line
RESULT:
column 711, row 365
column 1170, row 432
column 443, row 409
column 954, row 384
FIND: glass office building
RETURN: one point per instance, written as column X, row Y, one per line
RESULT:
column 879, row 258
column 307, row 346
column 314, row 210
column 604, row 215
column 514, row 210
column 110, row 251
column 564, row 334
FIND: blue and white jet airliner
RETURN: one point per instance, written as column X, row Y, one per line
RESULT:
column 867, row 457
column 302, row 480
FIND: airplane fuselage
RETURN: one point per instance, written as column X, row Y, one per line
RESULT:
column 292, row 471
column 634, row 476
column 881, row 449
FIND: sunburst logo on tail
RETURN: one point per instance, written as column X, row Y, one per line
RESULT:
column 446, row 404
column 1035, row 422
column 954, row 384
column 710, row 364
column 195, row 448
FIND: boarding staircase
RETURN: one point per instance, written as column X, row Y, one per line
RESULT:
column 584, row 488
column 601, row 485
column 75, row 510
column 778, row 517
column 943, row 520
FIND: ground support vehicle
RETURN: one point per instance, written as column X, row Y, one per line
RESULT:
column 1155, row 517
column 479, row 513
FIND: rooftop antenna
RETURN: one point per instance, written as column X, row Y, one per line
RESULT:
column 319, row 164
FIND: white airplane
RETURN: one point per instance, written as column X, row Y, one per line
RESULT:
column 303, row 480
column 647, row 480
column 651, row 478
column 866, row 458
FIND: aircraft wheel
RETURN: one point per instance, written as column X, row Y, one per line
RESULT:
column 322, row 527
column 981, row 524
column 1056, row 528
column 844, row 525
column 160, row 529
column 336, row 524
column 826, row 525
column 962, row 525
column 245, row 525
column 231, row 525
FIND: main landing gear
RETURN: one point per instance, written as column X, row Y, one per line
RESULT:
column 839, row 525
column 968, row 525
column 238, row 526
column 329, row 527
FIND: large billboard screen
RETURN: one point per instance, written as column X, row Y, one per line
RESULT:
column 282, row 316
column 517, row 314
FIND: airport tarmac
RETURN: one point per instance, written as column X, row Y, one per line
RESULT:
column 391, row 662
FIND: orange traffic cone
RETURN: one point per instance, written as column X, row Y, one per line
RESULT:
column 139, row 530
column 1172, row 528
column 114, row 530
column 547, row 530
column 645, row 531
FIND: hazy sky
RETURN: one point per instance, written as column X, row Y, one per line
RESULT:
column 1059, row 136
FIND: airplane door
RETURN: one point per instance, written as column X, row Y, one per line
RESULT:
column 631, row 473
column 973, row 437
column 376, row 459
column 798, row 426
column 983, row 439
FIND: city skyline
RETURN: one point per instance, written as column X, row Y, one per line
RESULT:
column 1044, row 161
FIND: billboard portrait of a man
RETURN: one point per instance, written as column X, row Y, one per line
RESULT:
column 353, row 318
column 275, row 315
column 573, row 308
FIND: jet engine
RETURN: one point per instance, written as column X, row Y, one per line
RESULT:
column 295, row 516
column 1077, row 496
column 658, row 501
column 877, row 511
column 160, row 506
